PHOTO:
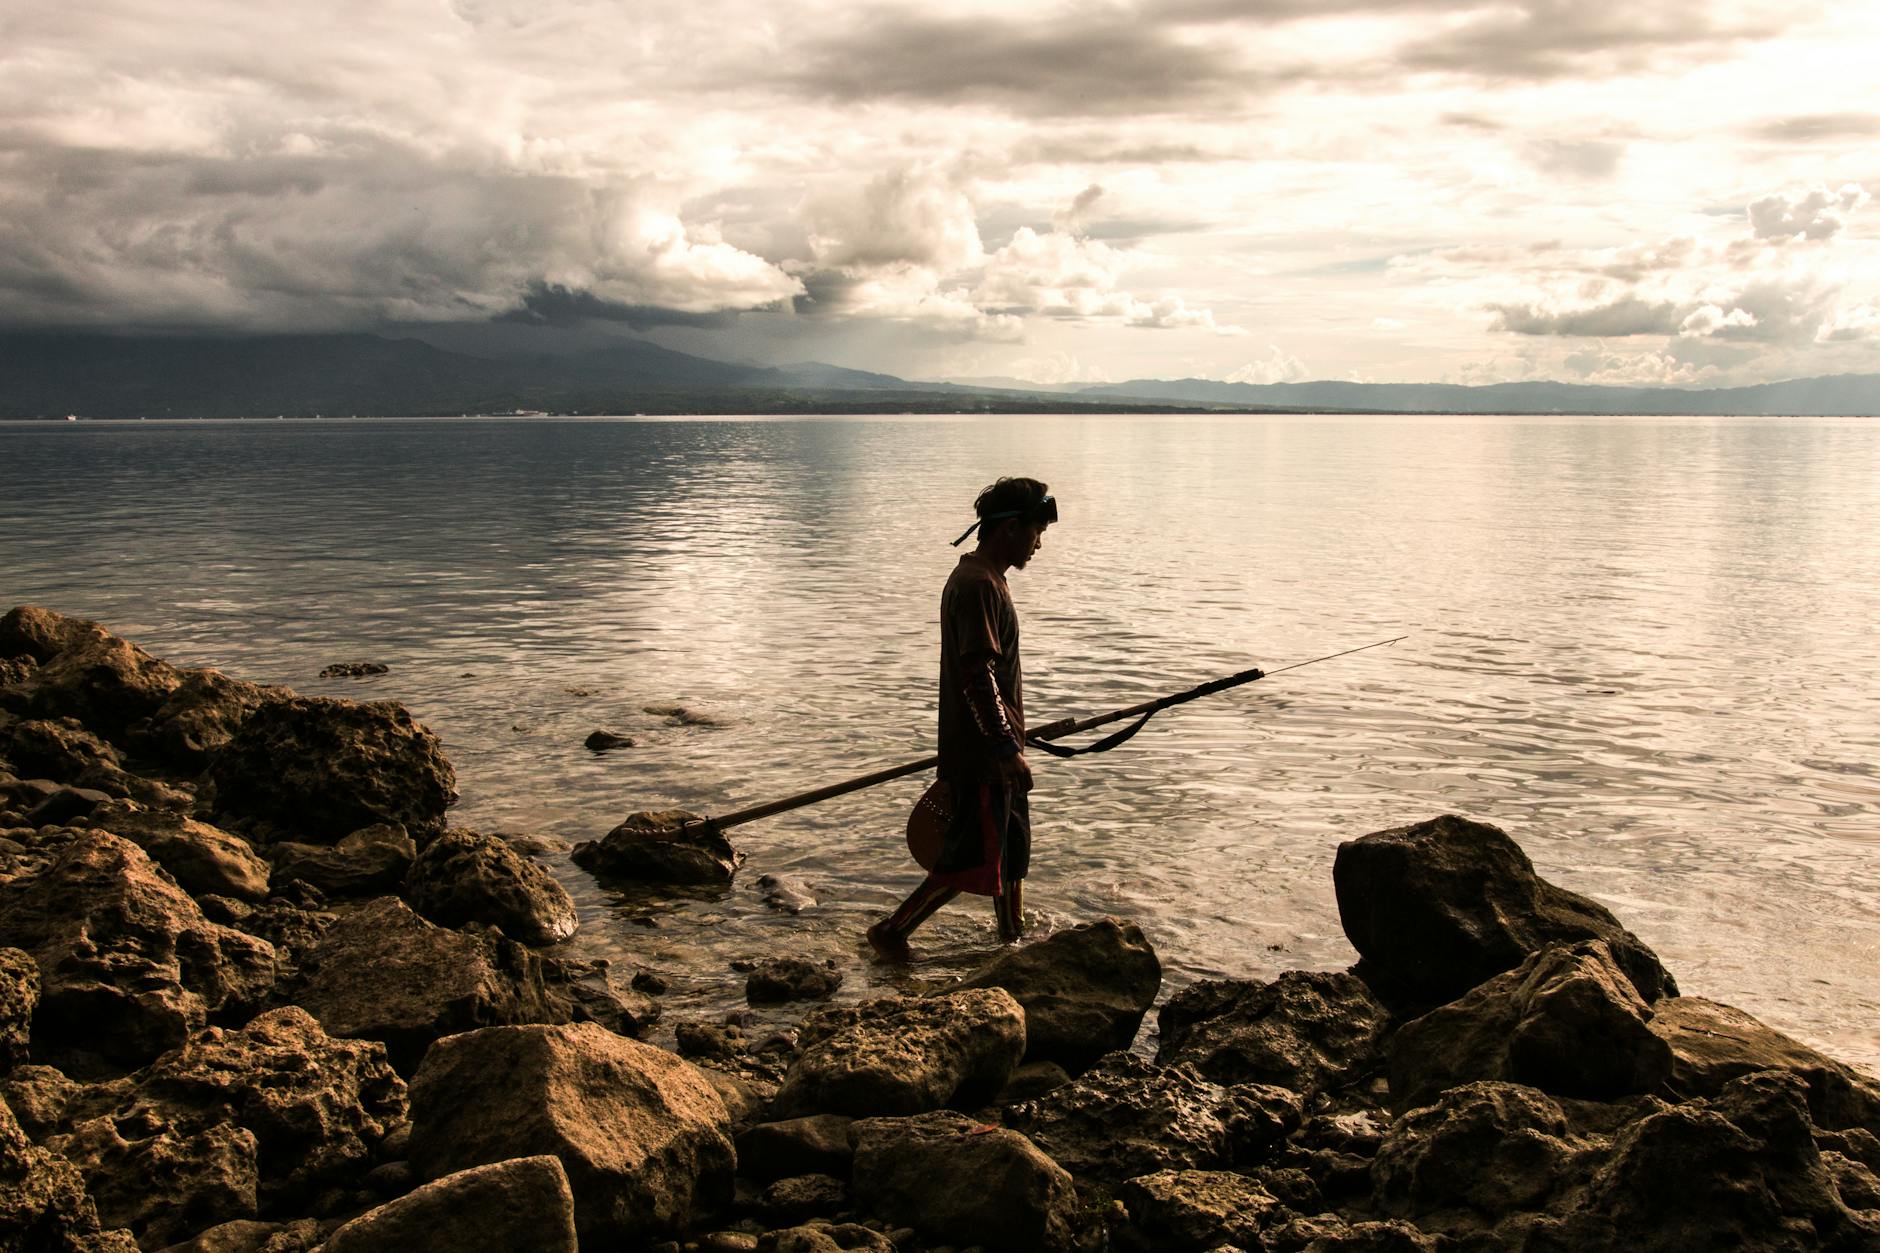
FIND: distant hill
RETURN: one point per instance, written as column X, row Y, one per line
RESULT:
column 1840, row 394
column 49, row 375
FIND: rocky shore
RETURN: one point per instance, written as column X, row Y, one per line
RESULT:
column 257, row 996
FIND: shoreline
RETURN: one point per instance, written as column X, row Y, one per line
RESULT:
column 224, row 906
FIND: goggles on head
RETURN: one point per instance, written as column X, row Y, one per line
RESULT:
column 1044, row 513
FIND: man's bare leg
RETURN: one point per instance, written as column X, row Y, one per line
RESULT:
column 1009, row 906
column 889, row 936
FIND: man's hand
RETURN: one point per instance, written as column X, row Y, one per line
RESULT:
column 1018, row 770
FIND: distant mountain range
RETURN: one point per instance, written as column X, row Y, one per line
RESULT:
column 50, row 375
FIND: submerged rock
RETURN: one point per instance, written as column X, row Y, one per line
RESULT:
column 1084, row 990
column 354, row 669
column 643, row 1137
column 321, row 768
column 904, row 1055
column 523, row 1205
column 963, row 1182
column 465, row 876
column 1566, row 1021
column 1306, row 1030
column 1436, row 908
column 657, row 846
column 602, row 741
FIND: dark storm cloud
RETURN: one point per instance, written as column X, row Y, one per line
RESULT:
column 548, row 304
column 1113, row 65
column 1627, row 315
column 1809, row 127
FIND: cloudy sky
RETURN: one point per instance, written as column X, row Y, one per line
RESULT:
column 1420, row 190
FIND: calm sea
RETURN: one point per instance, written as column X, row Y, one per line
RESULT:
column 1645, row 647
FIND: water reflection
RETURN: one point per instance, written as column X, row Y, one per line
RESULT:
column 1644, row 647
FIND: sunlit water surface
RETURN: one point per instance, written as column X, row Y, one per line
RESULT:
column 1646, row 648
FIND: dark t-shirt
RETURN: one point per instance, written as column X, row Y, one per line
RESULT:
column 977, row 621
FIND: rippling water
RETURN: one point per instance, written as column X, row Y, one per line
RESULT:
column 1644, row 647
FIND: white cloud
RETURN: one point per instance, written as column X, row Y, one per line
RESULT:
column 1815, row 214
column 1278, row 366
column 1600, row 365
column 1859, row 323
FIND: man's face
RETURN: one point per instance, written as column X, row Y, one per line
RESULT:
column 1027, row 539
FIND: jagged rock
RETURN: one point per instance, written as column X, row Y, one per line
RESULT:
column 780, row 979
column 962, row 1182
column 1488, row 1149
column 1566, row 1021
column 785, row 893
column 594, row 995
column 657, row 847
column 198, row 717
column 1306, row 1030
column 1181, row 1210
column 43, row 1204
column 465, row 876
column 368, row 862
column 160, row 1182
column 820, row 1144
column 522, row 1205
column 383, row 973
column 1125, row 1117
column 59, row 748
column 642, row 1135
column 716, row 1042
column 323, row 768
column 86, row 672
column 130, row 966
column 797, row 1197
column 1328, row 1233
column 904, row 1055
column 823, row 1237
column 42, row 1097
column 246, row 1235
column 19, row 997
column 1084, row 990
column 204, row 860
column 1738, row 1171
column 1712, row 1044
column 354, row 669
column 1438, row 907
column 268, row 1115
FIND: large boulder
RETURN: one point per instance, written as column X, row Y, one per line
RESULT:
column 383, row 973
column 963, row 1183
column 198, row 717
column 657, row 846
column 1306, row 1030
column 904, row 1055
column 1436, row 908
column 643, row 1137
column 819, row 1144
column 1482, row 1151
column 204, row 860
column 264, row 1117
column 130, row 966
column 1712, row 1044
column 1188, row 1211
column 466, row 876
column 43, row 1204
column 85, row 672
column 522, row 1205
column 371, row 861
column 1125, row 1117
column 1084, row 990
column 19, row 997
column 319, row 768
column 1566, row 1021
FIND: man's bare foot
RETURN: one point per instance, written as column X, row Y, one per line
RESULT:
column 889, row 944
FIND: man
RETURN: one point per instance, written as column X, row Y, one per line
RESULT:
column 987, row 848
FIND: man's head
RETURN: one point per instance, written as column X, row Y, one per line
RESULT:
column 1013, row 514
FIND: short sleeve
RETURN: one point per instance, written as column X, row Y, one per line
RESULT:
column 975, row 614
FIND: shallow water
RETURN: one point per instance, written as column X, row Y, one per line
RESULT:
column 1645, row 647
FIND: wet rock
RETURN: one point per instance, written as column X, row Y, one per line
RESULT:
column 1738, row 1171
column 684, row 715
column 1566, row 1021
column 66, row 805
column 1306, row 1030
column 323, row 768
column 1712, row 1044
column 657, row 847
column 19, row 997
column 594, row 995
column 780, row 979
column 797, row 1197
column 1438, row 907
column 162, row 1183
column 1126, row 1117
column 1084, row 990
column 601, row 741
column 642, row 1135
column 204, row 860
column 522, row 1205
column 905, row 1055
column 785, row 894
column 963, row 1182
column 59, row 749
column 466, row 876
column 354, row 669
column 1182, row 1210
column 246, row 1235
column 86, row 672
column 43, row 1203
column 824, row 1237
column 1484, row 1150
column 368, row 862
column 820, row 1144
column 129, row 964
column 198, row 718
column 383, row 973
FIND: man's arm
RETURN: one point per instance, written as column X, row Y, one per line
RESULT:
column 992, row 721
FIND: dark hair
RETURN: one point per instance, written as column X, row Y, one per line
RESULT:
column 1017, row 496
